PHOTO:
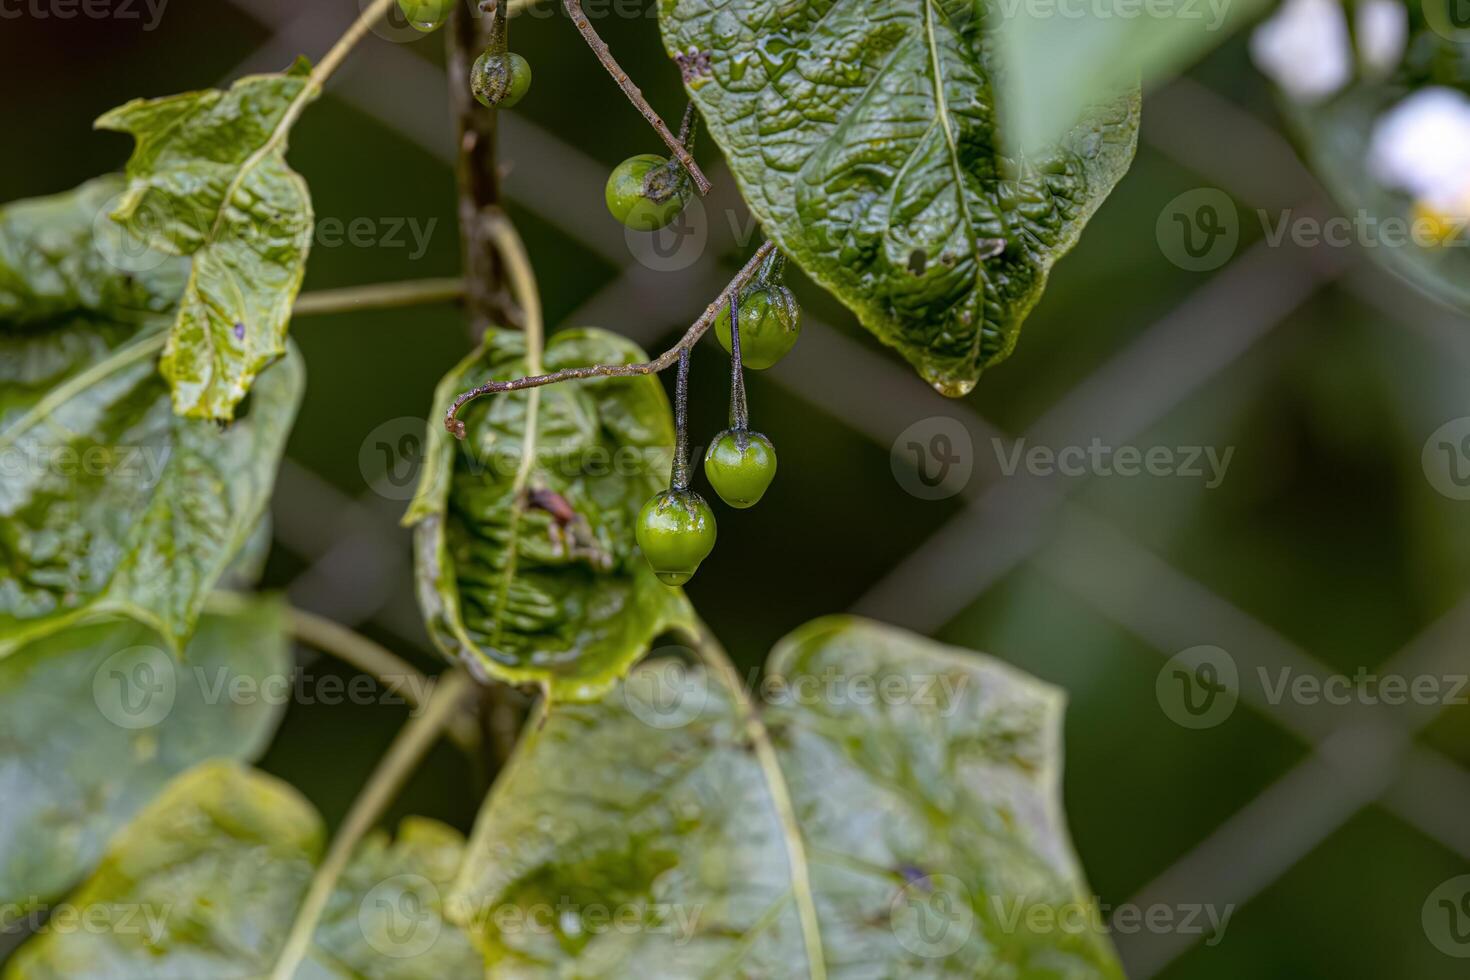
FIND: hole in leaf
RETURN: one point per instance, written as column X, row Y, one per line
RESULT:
column 918, row 261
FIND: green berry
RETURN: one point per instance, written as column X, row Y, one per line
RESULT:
column 426, row 15
column 676, row 530
column 500, row 80
column 647, row 192
column 740, row 466
column 770, row 324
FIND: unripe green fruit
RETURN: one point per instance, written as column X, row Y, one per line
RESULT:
column 499, row 81
column 770, row 325
column 426, row 15
column 646, row 192
column 740, row 466
column 676, row 530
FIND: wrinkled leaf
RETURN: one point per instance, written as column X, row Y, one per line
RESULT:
column 205, row 884
column 864, row 137
column 209, row 179
column 1337, row 137
column 509, row 586
column 111, row 504
column 923, row 780
column 94, row 721
column 1058, row 64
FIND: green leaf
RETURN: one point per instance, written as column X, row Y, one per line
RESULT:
column 1061, row 58
column 206, row 882
column 110, row 503
column 864, row 138
column 96, row 720
column 894, row 811
column 209, row 179
column 506, row 587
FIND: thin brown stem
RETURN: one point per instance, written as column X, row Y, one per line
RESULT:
column 487, row 301
column 664, row 361
column 635, row 95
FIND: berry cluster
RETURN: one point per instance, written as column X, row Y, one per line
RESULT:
column 499, row 78
column 676, row 528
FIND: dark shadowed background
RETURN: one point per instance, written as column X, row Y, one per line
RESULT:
column 1332, row 540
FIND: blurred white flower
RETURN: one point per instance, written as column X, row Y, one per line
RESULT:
column 1304, row 48
column 1422, row 145
column 1382, row 30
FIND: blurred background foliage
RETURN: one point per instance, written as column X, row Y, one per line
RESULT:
column 1324, row 374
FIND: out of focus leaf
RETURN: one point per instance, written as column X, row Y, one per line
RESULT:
column 905, row 822
column 111, row 504
column 1063, row 56
column 205, row 883
column 209, row 179
column 865, row 137
column 94, row 721
column 1337, row 135
column 510, row 587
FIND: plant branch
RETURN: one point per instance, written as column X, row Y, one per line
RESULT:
column 664, row 361
column 379, row 296
column 635, row 95
column 416, row 738
column 397, row 675
column 477, row 176
column 679, row 480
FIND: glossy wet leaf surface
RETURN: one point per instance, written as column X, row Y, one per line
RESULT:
column 206, row 882
column 209, row 180
column 923, row 780
column 112, row 504
column 95, row 720
column 864, row 136
column 524, row 548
